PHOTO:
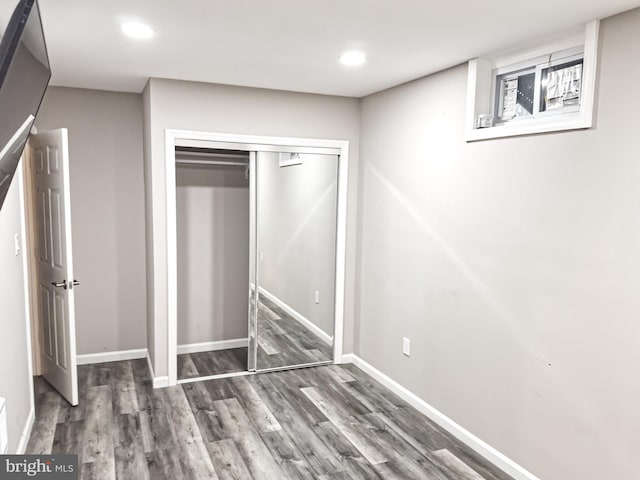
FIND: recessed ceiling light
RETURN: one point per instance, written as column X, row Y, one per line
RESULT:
column 353, row 58
column 137, row 30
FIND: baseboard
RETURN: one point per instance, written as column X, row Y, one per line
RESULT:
column 487, row 451
column 212, row 346
column 161, row 382
column 158, row 382
column 326, row 338
column 26, row 432
column 351, row 358
column 90, row 358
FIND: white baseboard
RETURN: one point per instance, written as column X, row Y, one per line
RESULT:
column 26, row 432
column 161, row 382
column 326, row 338
column 212, row 346
column 487, row 451
column 351, row 358
column 90, row 358
column 158, row 382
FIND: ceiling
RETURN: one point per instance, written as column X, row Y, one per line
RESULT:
column 291, row 44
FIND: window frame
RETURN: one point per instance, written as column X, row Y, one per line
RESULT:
column 536, row 66
column 482, row 93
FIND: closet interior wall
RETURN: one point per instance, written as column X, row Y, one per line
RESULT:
column 212, row 206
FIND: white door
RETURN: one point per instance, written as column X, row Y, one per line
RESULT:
column 55, row 266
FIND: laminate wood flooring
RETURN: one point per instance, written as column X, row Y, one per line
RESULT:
column 327, row 422
column 202, row 364
column 282, row 342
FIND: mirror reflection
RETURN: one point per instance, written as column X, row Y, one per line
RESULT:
column 296, row 210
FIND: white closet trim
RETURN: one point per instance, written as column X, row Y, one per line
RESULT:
column 189, row 138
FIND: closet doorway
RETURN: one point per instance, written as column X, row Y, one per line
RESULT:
column 212, row 220
column 256, row 253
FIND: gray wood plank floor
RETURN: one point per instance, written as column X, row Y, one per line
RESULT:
column 282, row 342
column 217, row 362
column 327, row 422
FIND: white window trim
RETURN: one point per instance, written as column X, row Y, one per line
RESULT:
column 481, row 88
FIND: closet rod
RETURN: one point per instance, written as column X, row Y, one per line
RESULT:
column 211, row 162
column 186, row 153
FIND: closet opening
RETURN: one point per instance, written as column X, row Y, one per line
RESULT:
column 212, row 227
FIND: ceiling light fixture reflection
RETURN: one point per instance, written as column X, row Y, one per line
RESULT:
column 353, row 58
column 137, row 30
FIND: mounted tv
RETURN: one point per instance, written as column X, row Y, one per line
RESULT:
column 24, row 76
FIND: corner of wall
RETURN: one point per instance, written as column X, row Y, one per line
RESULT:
column 146, row 108
column 356, row 184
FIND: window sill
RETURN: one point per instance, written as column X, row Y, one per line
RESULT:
column 529, row 127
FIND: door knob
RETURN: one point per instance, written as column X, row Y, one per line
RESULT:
column 73, row 283
column 62, row 284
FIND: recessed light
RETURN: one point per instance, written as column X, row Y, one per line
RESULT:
column 353, row 58
column 137, row 30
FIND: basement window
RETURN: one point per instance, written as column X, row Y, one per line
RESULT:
column 545, row 89
column 549, row 86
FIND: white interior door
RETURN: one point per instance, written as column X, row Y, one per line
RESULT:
column 55, row 265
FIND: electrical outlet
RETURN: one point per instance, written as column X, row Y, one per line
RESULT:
column 406, row 346
column 317, row 297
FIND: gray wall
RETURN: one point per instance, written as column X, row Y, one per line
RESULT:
column 297, row 233
column 15, row 378
column 212, row 216
column 221, row 108
column 513, row 266
column 107, row 205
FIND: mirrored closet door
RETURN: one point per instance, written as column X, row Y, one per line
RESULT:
column 256, row 258
column 296, row 218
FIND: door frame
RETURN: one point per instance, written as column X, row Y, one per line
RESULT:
column 29, row 314
column 31, row 225
column 172, row 137
column 32, row 220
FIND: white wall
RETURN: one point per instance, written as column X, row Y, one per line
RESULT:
column 513, row 266
column 107, row 211
column 15, row 375
column 227, row 109
column 212, row 205
column 297, row 233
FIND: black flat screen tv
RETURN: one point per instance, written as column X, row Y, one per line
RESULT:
column 24, row 76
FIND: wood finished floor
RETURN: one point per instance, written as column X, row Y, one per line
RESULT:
column 327, row 422
column 282, row 341
column 203, row 364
